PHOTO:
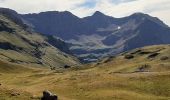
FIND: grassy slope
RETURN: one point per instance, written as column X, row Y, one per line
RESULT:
column 141, row 56
column 31, row 43
column 105, row 81
column 9, row 71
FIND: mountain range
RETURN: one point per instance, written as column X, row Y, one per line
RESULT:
column 100, row 35
column 97, row 36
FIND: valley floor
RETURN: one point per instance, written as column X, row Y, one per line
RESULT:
column 140, row 74
column 85, row 84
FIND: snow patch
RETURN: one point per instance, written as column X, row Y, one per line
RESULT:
column 118, row 27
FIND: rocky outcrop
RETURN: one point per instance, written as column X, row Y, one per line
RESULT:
column 47, row 95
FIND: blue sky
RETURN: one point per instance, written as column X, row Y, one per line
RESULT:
column 89, row 4
column 82, row 8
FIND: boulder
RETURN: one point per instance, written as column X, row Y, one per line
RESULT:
column 13, row 93
column 47, row 95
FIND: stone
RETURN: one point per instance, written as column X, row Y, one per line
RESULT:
column 15, row 94
column 47, row 95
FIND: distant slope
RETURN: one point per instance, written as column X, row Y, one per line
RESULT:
column 20, row 45
column 6, row 67
column 100, row 35
column 147, row 59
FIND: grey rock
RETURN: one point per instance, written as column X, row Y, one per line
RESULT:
column 47, row 95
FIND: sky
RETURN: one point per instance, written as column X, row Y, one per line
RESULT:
column 82, row 8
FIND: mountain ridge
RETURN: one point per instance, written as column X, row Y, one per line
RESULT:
column 100, row 35
column 107, row 34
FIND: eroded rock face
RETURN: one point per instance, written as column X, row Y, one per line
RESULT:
column 47, row 95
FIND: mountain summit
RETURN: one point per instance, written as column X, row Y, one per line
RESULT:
column 98, row 13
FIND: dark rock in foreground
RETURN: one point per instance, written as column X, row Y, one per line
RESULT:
column 47, row 95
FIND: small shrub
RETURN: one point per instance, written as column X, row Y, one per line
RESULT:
column 67, row 66
column 144, row 52
column 129, row 56
column 143, row 68
column 164, row 58
column 52, row 68
column 153, row 55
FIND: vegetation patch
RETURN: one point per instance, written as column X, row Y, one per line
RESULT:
column 153, row 55
column 164, row 58
column 129, row 56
